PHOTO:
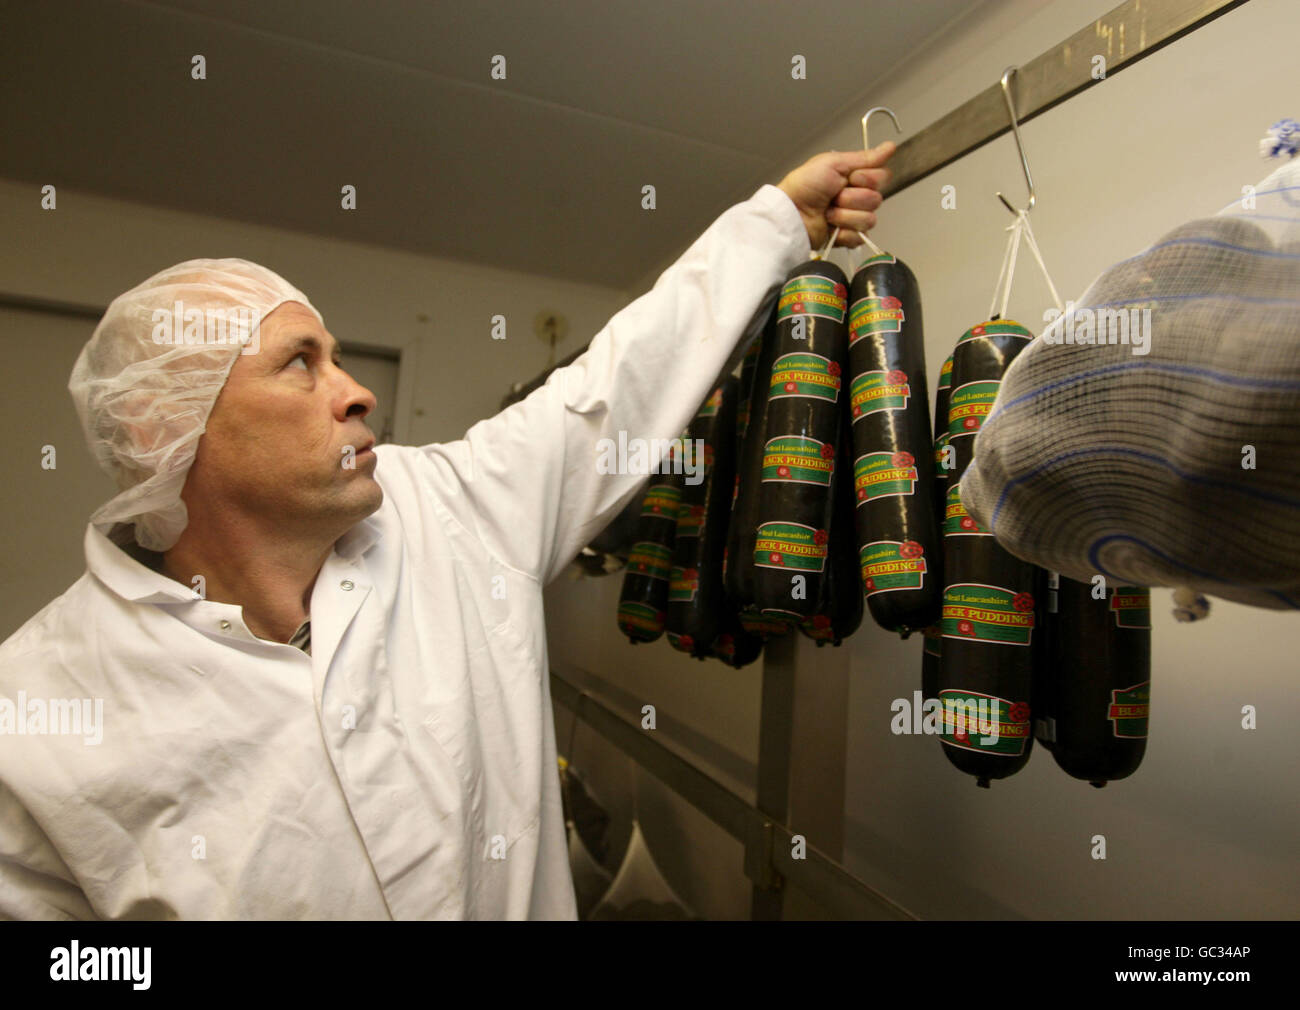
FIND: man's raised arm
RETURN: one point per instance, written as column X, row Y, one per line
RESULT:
column 531, row 480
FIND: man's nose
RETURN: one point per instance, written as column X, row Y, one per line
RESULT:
column 358, row 400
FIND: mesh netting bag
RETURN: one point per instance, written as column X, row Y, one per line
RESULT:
column 1151, row 433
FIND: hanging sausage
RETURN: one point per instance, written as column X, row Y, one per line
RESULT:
column 642, row 605
column 735, row 646
column 738, row 571
column 990, row 598
column 1096, row 692
column 695, row 592
column 840, row 612
column 892, row 446
column 933, row 646
column 802, row 425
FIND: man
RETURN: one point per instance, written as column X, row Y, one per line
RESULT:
column 322, row 664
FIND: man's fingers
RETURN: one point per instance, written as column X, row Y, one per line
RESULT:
column 870, row 178
column 847, row 162
column 852, row 198
column 850, row 220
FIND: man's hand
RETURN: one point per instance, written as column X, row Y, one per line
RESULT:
column 842, row 188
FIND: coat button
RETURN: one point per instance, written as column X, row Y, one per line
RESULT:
column 346, row 584
column 225, row 625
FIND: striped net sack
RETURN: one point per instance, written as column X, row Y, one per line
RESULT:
column 1151, row 433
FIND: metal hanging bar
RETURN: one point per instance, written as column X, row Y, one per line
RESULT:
column 1124, row 35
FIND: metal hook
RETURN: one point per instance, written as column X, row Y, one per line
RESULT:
column 872, row 112
column 1020, row 146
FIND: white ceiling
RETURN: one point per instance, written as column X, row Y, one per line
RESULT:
column 541, row 172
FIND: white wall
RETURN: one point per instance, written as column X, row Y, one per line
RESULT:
column 90, row 249
column 1209, row 825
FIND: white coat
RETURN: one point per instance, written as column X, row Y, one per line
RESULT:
column 407, row 767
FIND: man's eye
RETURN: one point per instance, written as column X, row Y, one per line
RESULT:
column 300, row 360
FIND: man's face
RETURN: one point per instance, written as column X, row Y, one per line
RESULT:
column 276, row 444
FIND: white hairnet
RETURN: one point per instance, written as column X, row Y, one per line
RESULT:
column 146, row 381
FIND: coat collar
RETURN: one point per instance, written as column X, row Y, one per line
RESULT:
column 133, row 580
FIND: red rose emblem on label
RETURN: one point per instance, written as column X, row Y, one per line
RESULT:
column 797, row 307
column 833, row 368
column 871, row 585
column 890, row 302
column 1023, row 602
column 862, row 494
column 965, row 627
column 819, row 538
column 840, row 291
column 828, row 451
column 902, row 459
column 789, row 387
column 896, row 377
column 691, row 573
column 970, row 423
column 961, row 736
column 977, row 331
column 686, row 642
column 857, row 411
column 774, row 558
column 910, row 549
column 967, row 523
column 1020, row 712
column 783, row 471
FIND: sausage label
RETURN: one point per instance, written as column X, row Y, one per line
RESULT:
column 689, row 520
column 798, row 460
column 790, row 546
column 654, row 561
column 662, row 501
column 712, row 404
column 1130, row 708
column 878, row 258
column 634, row 617
column 984, row 723
column 819, row 628
column 812, row 295
column 890, row 565
column 872, row 316
column 872, row 392
column 881, row 474
column 683, row 585
column 1131, row 606
column 996, row 328
column 762, row 623
column 974, row 612
column 805, row 374
column 969, row 404
column 945, row 374
column 957, row 522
